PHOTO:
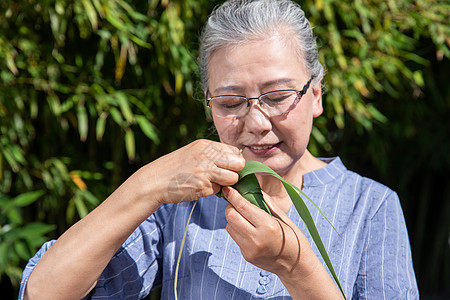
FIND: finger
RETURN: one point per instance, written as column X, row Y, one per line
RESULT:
column 231, row 213
column 223, row 177
column 237, row 226
column 230, row 157
column 215, row 188
column 231, row 161
column 231, row 148
column 219, row 154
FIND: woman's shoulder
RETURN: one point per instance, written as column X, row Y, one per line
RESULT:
column 337, row 181
column 335, row 172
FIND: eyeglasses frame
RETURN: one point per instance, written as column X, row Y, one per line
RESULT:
column 299, row 93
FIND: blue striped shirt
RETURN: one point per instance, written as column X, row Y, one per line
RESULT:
column 369, row 249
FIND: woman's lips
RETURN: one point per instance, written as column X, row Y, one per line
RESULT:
column 264, row 149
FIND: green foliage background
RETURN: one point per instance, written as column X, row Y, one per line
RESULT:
column 90, row 90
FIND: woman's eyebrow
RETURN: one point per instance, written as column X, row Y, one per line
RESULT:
column 280, row 81
column 227, row 89
column 265, row 85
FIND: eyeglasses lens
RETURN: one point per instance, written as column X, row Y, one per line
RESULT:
column 272, row 103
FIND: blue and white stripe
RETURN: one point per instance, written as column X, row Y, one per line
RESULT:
column 370, row 250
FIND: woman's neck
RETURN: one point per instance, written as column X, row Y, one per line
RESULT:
column 275, row 189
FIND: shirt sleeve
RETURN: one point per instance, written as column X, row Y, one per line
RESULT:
column 386, row 270
column 30, row 266
column 132, row 272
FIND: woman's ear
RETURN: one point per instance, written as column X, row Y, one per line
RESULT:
column 317, row 107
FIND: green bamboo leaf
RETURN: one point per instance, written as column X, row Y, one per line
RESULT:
column 29, row 231
column 35, row 229
column 4, row 249
column 114, row 21
column 91, row 13
column 130, row 144
column 27, row 198
column 18, row 154
column 376, row 114
column 19, row 201
column 100, row 126
column 80, row 206
column 140, row 42
column 70, row 211
column 34, row 108
column 116, row 115
column 55, row 104
column 124, row 107
column 22, row 249
column 13, row 216
column 61, row 168
column 10, row 160
column 147, row 128
column 98, row 6
column 89, row 197
column 248, row 186
column 252, row 167
column 1, row 166
column 82, row 122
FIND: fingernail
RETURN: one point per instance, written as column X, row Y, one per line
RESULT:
column 225, row 191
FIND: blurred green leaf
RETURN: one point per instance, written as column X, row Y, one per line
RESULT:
column 29, row 231
column 125, row 108
column 26, row 198
column 91, row 13
column 3, row 255
column 82, row 122
column 22, row 200
column 89, row 197
column 130, row 144
column 81, row 207
column 22, row 250
column 100, row 127
column 147, row 128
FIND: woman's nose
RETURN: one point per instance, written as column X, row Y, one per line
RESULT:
column 256, row 120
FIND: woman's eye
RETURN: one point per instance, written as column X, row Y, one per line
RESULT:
column 277, row 97
column 230, row 102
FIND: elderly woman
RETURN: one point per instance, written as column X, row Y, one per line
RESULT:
column 262, row 82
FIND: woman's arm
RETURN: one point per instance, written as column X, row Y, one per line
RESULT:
column 71, row 267
column 277, row 245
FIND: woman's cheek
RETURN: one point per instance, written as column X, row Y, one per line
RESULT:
column 228, row 131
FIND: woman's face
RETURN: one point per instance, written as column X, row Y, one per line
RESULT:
column 254, row 68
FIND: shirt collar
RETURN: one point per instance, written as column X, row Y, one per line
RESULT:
column 334, row 169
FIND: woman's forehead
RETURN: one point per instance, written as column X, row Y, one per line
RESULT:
column 265, row 62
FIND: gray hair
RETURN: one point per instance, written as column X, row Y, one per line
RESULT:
column 238, row 21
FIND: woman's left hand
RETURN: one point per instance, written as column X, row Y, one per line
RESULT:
column 276, row 244
column 271, row 243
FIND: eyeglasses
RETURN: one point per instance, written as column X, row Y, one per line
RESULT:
column 273, row 103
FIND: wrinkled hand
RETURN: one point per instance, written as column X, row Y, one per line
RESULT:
column 196, row 170
column 271, row 243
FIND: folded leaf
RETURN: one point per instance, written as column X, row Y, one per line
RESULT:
column 248, row 187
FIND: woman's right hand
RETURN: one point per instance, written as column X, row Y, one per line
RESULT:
column 196, row 170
